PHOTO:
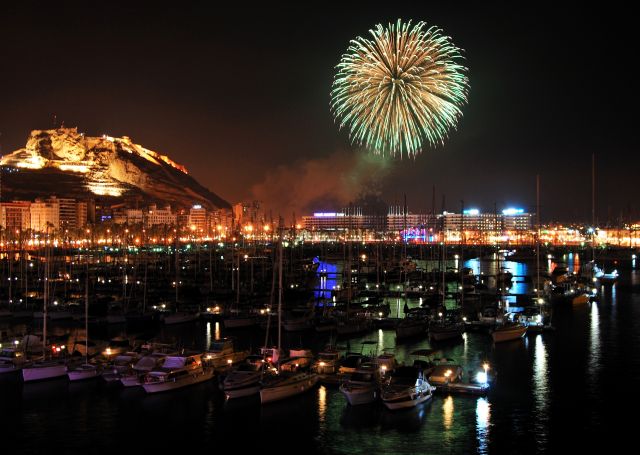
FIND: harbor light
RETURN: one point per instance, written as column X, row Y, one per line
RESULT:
column 540, row 301
column 229, row 361
column 481, row 377
column 594, row 291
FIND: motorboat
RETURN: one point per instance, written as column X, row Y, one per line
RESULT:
column 177, row 372
column 82, row 372
column 44, row 369
column 286, row 384
column 362, row 386
column 407, row 387
column 508, row 332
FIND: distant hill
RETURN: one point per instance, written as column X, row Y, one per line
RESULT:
column 66, row 163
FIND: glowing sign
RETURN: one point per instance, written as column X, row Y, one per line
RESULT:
column 327, row 214
column 472, row 212
column 512, row 211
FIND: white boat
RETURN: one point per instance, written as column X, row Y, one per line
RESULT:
column 362, row 386
column 82, row 372
column 11, row 360
column 177, row 372
column 286, row 384
column 508, row 332
column 406, row 388
column 38, row 371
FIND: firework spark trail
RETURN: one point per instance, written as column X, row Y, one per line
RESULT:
column 400, row 90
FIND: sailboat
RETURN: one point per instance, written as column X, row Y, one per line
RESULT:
column 44, row 369
column 85, row 370
column 284, row 384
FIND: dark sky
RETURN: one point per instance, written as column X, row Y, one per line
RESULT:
column 241, row 97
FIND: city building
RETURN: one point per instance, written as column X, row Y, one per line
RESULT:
column 156, row 216
column 45, row 215
column 15, row 215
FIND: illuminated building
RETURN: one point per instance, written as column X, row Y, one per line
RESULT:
column 15, row 215
column 198, row 218
column 45, row 214
column 157, row 216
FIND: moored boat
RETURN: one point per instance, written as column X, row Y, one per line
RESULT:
column 508, row 332
column 407, row 388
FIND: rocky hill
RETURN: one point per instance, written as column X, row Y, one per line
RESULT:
column 66, row 163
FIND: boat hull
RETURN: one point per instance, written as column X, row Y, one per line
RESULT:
column 242, row 392
column 360, row 395
column 42, row 373
column 508, row 335
column 279, row 392
column 409, row 402
column 83, row 374
column 167, row 386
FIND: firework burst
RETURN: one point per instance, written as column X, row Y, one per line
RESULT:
column 400, row 90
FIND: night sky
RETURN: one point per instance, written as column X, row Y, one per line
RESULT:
column 241, row 97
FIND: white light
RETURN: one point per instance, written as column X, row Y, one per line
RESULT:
column 481, row 377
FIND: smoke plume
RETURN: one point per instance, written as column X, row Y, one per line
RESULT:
column 328, row 183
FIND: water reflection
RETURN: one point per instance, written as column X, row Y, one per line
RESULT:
column 483, row 423
column 216, row 333
column 541, row 389
column 207, row 336
column 447, row 412
column 322, row 404
column 594, row 346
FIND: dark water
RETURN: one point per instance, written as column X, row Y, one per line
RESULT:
column 575, row 388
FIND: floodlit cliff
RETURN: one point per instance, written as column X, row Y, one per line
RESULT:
column 67, row 163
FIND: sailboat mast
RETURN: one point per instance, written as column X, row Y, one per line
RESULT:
column 593, row 205
column 86, row 310
column 280, row 289
column 46, row 293
column 461, row 263
column 538, row 236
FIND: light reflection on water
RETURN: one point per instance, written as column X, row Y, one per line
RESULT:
column 541, row 389
column 594, row 346
column 447, row 412
column 483, row 423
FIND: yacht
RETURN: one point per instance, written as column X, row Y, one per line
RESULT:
column 180, row 317
column 177, row 372
column 286, row 384
column 362, row 386
column 415, row 323
column 43, row 369
column 120, row 365
column 82, row 372
column 327, row 362
column 508, row 332
column 406, row 388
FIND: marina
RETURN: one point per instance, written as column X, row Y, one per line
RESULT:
column 471, row 372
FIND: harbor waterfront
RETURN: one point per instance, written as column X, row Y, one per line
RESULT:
column 546, row 389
